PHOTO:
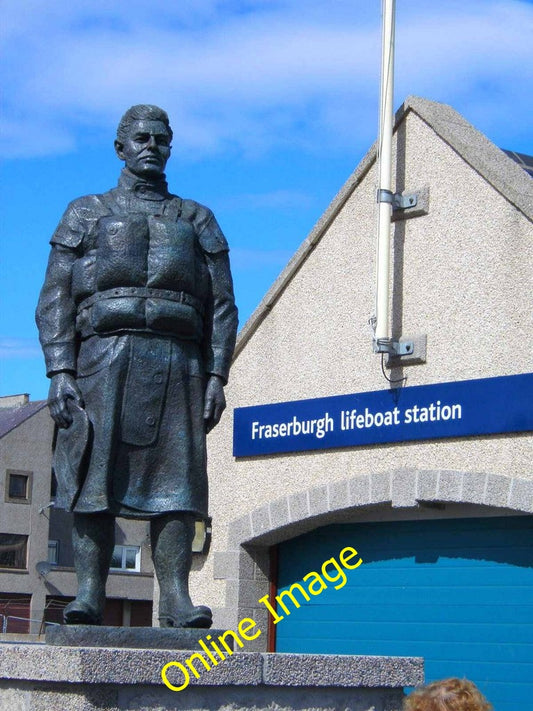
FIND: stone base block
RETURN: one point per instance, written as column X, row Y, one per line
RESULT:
column 39, row 677
column 132, row 637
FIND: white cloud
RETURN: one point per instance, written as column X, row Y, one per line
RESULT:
column 254, row 74
column 31, row 137
column 19, row 348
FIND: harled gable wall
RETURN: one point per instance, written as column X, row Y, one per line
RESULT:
column 462, row 276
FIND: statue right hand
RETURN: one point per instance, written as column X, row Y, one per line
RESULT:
column 63, row 387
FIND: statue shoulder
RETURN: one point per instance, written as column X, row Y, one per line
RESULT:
column 210, row 235
column 88, row 206
column 78, row 219
column 193, row 211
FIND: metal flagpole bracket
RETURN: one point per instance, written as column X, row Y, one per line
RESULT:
column 397, row 200
column 404, row 202
column 406, row 350
column 406, row 205
column 394, row 349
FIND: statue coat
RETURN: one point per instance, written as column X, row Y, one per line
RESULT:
column 138, row 304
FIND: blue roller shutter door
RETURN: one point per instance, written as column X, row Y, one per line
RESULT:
column 458, row 592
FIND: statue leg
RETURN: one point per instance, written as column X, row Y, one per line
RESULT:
column 172, row 536
column 93, row 540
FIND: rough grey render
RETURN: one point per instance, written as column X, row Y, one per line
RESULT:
column 41, row 678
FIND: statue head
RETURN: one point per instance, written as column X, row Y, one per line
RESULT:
column 143, row 140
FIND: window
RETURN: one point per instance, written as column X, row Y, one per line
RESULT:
column 53, row 552
column 15, row 613
column 126, row 558
column 18, row 486
column 13, row 551
column 53, row 486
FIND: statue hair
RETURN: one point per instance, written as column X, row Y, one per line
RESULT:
column 141, row 112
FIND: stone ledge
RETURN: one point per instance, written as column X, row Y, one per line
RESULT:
column 112, row 665
column 39, row 662
column 342, row 670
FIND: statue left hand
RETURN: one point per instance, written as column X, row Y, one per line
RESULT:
column 215, row 402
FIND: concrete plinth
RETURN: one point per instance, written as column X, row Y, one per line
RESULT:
column 132, row 637
column 38, row 677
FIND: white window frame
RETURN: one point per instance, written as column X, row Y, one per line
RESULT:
column 123, row 551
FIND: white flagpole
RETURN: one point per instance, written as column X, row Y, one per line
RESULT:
column 382, row 337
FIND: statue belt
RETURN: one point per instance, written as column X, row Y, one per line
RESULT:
column 180, row 297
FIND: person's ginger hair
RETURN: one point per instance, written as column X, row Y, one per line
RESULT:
column 447, row 695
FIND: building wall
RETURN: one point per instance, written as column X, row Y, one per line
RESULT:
column 28, row 448
column 461, row 276
column 120, row 584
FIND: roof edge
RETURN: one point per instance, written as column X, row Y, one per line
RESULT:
column 491, row 162
column 24, row 412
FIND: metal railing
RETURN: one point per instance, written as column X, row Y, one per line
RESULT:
column 42, row 623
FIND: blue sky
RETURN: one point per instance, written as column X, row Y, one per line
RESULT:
column 273, row 104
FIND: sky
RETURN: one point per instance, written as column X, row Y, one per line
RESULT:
column 273, row 104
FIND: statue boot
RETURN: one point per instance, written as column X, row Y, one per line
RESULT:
column 93, row 540
column 171, row 537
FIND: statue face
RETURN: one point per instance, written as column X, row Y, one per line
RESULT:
column 146, row 149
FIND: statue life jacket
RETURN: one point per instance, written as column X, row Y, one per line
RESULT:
column 142, row 272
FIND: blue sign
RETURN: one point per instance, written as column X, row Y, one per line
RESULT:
column 458, row 409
